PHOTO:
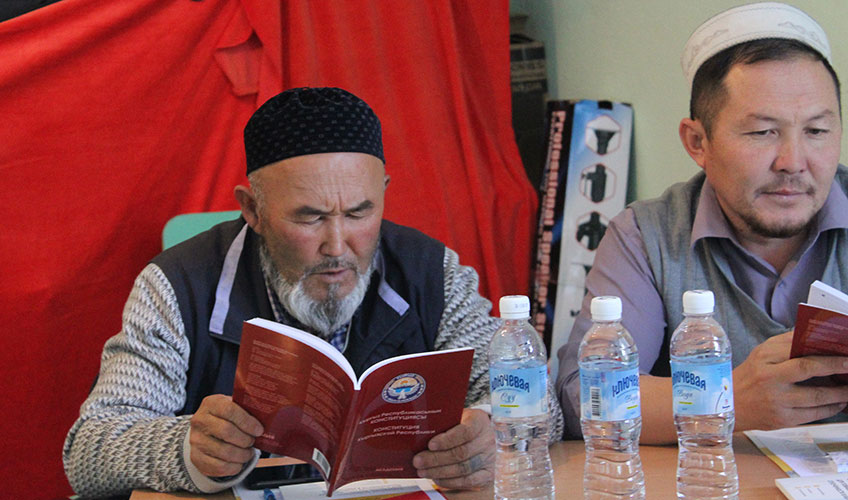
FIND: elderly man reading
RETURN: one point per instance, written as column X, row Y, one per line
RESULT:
column 311, row 250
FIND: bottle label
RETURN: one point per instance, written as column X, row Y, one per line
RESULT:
column 609, row 395
column 520, row 392
column 702, row 389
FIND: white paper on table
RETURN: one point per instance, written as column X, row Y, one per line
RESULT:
column 367, row 488
column 809, row 450
column 840, row 458
column 828, row 487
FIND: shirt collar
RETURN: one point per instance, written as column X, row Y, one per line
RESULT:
column 710, row 221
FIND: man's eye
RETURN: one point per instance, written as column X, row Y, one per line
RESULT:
column 761, row 132
column 817, row 131
column 311, row 220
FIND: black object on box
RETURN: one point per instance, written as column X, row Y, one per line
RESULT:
column 528, row 75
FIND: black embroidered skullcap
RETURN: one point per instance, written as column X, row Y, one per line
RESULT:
column 308, row 120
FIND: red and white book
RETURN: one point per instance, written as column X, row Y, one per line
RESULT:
column 314, row 408
column 821, row 326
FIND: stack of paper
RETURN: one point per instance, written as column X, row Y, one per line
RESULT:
column 814, row 456
column 829, row 487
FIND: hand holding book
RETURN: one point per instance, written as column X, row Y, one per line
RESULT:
column 821, row 326
column 314, row 408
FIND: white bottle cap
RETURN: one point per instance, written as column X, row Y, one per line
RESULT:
column 515, row 307
column 606, row 308
column 698, row 302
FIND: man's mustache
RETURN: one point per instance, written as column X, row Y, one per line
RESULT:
column 788, row 183
column 332, row 264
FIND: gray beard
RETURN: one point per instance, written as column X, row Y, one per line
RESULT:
column 323, row 317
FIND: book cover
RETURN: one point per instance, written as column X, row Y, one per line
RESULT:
column 314, row 408
column 821, row 325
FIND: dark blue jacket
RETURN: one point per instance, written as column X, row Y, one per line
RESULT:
column 400, row 313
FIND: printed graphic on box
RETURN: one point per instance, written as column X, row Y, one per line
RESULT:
column 584, row 186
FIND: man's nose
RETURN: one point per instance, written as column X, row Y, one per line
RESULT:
column 333, row 244
column 790, row 156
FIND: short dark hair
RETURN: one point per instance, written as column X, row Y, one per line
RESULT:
column 708, row 91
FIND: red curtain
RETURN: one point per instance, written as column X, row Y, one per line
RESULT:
column 116, row 116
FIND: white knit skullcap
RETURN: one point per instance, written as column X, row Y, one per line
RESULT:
column 750, row 22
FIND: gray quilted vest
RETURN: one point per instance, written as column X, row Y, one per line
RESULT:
column 666, row 226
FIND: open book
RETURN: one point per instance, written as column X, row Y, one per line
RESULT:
column 821, row 326
column 314, row 408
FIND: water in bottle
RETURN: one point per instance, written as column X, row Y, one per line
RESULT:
column 518, row 376
column 702, row 383
column 610, row 412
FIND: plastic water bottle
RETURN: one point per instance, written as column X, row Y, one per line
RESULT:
column 610, row 411
column 702, row 382
column 518, row 379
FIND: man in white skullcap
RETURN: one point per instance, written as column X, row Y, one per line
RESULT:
column 766, row 217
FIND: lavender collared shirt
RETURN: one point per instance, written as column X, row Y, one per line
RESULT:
column 621, row 268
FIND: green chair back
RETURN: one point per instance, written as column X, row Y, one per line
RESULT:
column 184, row 226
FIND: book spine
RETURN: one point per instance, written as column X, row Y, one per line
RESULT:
column 346, row 443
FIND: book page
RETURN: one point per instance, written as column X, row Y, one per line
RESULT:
column 307, row 338
column 823, row 295
column 808, row 450
column 300, row 395
column 403, row 403
column 829, row 487
column 382, row 489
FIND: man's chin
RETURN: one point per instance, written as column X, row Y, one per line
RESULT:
column 785, row 228
column 322, row 292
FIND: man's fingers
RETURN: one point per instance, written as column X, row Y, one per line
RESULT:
column 221, row 436
column 452, row 456
column 207, row 445
column 818, row 412
column 822, row 396
column 773, row 350
column 470, row 472
column 473, row 424
column 222, row 430
column 452, row 438
column 475, row 480
column 224, row 408
column 807, row 367
column 213, row 466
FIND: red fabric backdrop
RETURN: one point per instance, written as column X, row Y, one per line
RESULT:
column 116, row 116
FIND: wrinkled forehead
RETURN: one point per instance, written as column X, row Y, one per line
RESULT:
column 323, row 177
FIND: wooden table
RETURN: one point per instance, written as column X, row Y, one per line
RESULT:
column 756, row 474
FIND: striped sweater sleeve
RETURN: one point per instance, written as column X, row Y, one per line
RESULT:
column 466, row 322
column 127, row 435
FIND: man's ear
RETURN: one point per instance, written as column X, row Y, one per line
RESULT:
column 249, row 210
column 694, row 139
column 386, row 179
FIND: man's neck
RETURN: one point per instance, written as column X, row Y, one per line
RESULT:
column 776, row 251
